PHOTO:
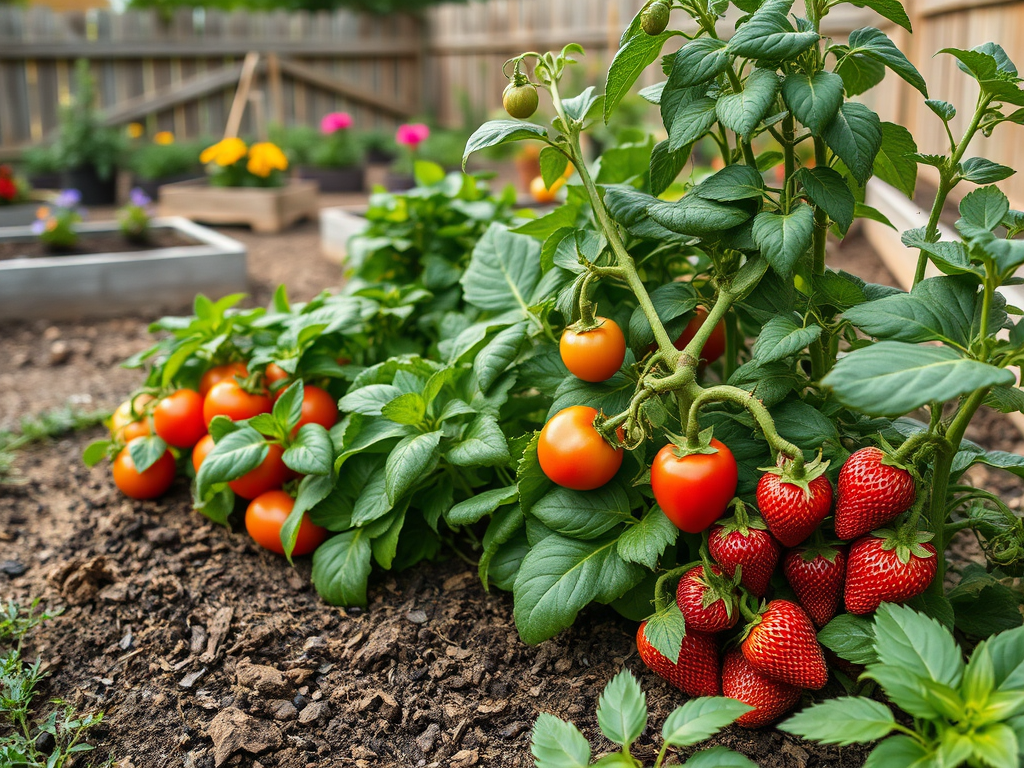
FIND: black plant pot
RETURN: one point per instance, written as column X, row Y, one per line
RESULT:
column 399, row 182
column 335, row 179
column 377, row 156
column 151, row 187
column 51, row 180
column 94, row 190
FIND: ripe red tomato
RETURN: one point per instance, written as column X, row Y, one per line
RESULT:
column 318, row 407
column 573, row 454
column 270, row 475
column 273, row 374
column 594, row 355
column 714, row 348
column 226, row 372
column 122, row 417
column 694, row 490
column 227, row 398
column 178, row 418
column 143, row 485
column 265, row 516
column 203, row 447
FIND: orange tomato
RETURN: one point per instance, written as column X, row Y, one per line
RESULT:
column 573, row 454
column 543, row 194
column 220, row 373
column 265, row 517
column 594, row 355
column 143, row 485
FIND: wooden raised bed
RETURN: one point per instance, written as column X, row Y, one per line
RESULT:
column 265, row 209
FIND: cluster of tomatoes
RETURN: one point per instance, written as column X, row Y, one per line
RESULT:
column 181, row 419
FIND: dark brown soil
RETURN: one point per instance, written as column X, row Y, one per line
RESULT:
column 203, row 649
column 96, row 242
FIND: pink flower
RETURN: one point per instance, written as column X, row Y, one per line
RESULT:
column 335, row 121
column 412, row 134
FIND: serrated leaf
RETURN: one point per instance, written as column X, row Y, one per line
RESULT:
column 409, row 408
column 915, row 643
column 742, row 112
column 855, row 135
column 646, row 541
column 782, row 337
column 851, row 638
column 784, row 238
column 943, row 109
column 830, row 192
column 901, row 750
column 734, row 182
column 622, row 709
column 979, row 170
column 700, row 719
column 895, row 162
column 984, row 208
column 814, row 101
column 719, row 757
column 557, row 744
column 843, row 721
column 697, row 62
column 768, row 36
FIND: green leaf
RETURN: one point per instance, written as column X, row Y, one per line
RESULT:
column 582, row 514
column 700, row 719
column 734, row 182
column 622, row 709
column 691, row 122
column 814, row 101
column 903, row 751
column 851, row 638
column 638, row 53
column 553, row 163
column 697, row 62
column 862, row 211
column 860, row 73
column 895, row 162
column 979, row 678
column 369, row 400
column 984, row 208
column 95, row 452
column 784, row 238
column 1007, row 652
column 996, row 745
column 288, row 407
column 665, row 631
column 697, row 216
column 855, row 134
column 409, row 408
column 830, row 192
column 781, row 337
column 482, row 445
column 743, row 111
column 558, row 744
column 844, row 721
column 768, row 36
column 408, row 461
column 579, row 107
column 943, row 109
column 889, row 9
column 978, row 170
column 312, row 451
column 146, row 451
column 497, row 132
column 384, row 545
column 644, row 542
column 666, row 165
column 504, row 269
column 719, row 757
column 506, row 522
column 475, row 507
column 892, row 378
column 217, row 506
column 869, row 41
column 341, row 568
column 499, row 354
column 235, row 454
column 918, row 644
column 560, row 576
column 937, row 309
column 983, row 606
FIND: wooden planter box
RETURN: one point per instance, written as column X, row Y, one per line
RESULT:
column 267, row 210
column 107, row 284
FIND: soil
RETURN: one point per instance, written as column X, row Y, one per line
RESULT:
column 96, row 242
column 204, row 650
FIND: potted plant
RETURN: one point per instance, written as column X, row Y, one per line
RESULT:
column 86, row 151
column 40, row 164
column 165, row 161
column 333, row 158
column 15, row 207
column 244, row 185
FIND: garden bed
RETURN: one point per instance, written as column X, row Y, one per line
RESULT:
column 97, row 243
column 264, row 209
column 189, row 258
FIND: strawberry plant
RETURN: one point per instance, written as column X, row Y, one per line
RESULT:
column 622, row 717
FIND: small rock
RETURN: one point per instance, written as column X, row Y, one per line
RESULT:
column 265, row 680
column 163, row 536
column 313, row 712
column 12, row 568
column 465, row 758
column 197, row 642
column 52, row 333
column 425, row 741
column 416, row 617
column 126, row 641
column 282, row 709
column 59, row 352
column 513, row 730
column 45, row 743
column 313, row 643
column 114, row 593
column 563, row 665
column 234, row 731
column 300, row 701
column 191, row 678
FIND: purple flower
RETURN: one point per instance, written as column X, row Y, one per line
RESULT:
column 38, row 227
column 139, row 198
column 68, row 198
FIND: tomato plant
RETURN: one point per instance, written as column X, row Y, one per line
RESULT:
column 593, row 353
column 178, row 418
column 146, row 483
column 694, row 489
column 573, row 454
column 265, row 516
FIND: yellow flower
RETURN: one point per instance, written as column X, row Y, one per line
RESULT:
column 135, row 130
column 42, row 212
column 163, row 137
column 224, row 153
column 264, row 158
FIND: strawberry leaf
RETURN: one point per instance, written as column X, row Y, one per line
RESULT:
column 622, row 709
column 700, row 719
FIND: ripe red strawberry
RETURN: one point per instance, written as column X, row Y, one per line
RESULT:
column 744, row 541
column 708, row 602
column 888, row 567
column 770, row 699
column 794, row 508
column 781, row 644
column 871, row 493
column 817, row 575
column 695, row 672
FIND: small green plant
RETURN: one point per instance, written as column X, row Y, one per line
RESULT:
column 55, row 223
column 622, row 717
column 82, row 139
column 54, row 741
column 963, row 714
column 134, row 218
column 36, row 428
column 158, row 161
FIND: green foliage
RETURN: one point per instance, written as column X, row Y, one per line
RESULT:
column 964, row 714
column 622, row 717
column 157, row 161
column 82, row 140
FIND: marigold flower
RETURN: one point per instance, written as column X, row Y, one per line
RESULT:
column 163, row 137
column 412, row 134
column 135, row 130
column 224, row 153
column 42, row 212
column 335, row 121
column 264, row 158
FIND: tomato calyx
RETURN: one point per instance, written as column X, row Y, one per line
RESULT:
column 687, row 446
column 906, row 541
column 791, row 473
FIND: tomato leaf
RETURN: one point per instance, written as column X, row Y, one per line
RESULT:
column 896, row 162
column 583, row 514
column 742, row 111
column 311, row 452
column 635, row 55
column 288, row 408
column 235, row 454
column 146, row 451
column 830, row 192
column 482, row 445
column 784, row 238
column 95, row 452
column 503, row 270
column 341, row 568
column 497, row 132
column 411, row 458
column 644, row 542
column 855, row 134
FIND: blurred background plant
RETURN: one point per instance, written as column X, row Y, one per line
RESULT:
column 55, row 223
column 135, row 217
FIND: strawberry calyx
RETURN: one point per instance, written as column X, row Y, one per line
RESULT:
column 686, row 447
column 753, row 615
column 741, row 522
column 906, row 541
column 791, row 473
column 718, row 586
column 827, row 551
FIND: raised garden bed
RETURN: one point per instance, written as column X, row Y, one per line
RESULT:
column 337, row 225
column 18, row 215
column 265, row 209
column 188, row 259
